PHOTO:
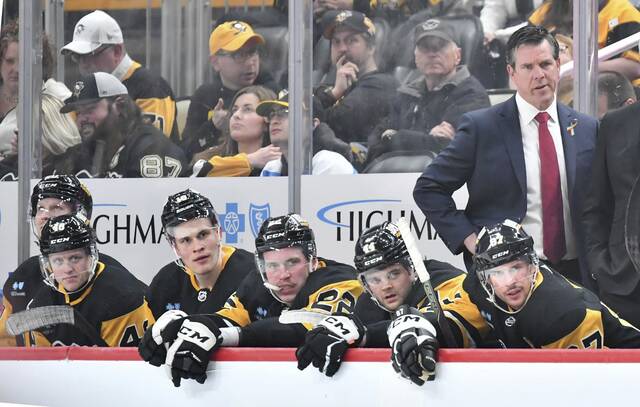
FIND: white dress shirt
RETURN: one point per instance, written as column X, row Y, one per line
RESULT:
column 532, row 222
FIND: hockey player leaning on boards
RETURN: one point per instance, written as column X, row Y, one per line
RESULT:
column 109, row 304
column 291, row 277
column 52, row 196
column 524, row 303
column 205, row 272
column 387, row 274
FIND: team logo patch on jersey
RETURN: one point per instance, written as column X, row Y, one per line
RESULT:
column 257, row 215
column 261, row 313
column 202, row 295
column 174, row 305
column 511, row 321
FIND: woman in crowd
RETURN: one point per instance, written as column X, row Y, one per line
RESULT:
column 246, row 146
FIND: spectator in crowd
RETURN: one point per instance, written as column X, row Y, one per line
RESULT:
column 360, row 94
column 234, row 50
column 108, row 301
column 98, row 46
column 53, row 195
column 276, row 112
column 614, row 91
column 615, row 172
column 205, row 272
column 387, row 274
column 291, row 277
column 246, row 146
column 427, row 111
column 520, row 159
column 617, row 19
column 501, row 18
column 116, row 141
column 58, row 130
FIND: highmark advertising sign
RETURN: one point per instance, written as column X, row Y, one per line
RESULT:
column 127, row 213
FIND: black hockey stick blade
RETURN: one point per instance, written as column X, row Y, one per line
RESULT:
column 632, row 225
column 32, row 319
column 425, row 279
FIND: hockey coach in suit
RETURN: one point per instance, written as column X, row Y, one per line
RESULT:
column 527, row 159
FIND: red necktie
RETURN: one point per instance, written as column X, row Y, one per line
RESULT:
column 552, row 217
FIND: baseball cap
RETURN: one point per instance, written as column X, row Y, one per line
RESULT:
column 92, row 31
column 354, row 20
column 265, row 108
column 91, row 88
column 231, row 36
column 435, row 28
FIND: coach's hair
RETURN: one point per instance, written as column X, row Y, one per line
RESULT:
column 530, row 35
column 617, row 88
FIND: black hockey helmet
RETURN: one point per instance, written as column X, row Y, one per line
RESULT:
column 62, row 233
column 66, row 232
column 185, row 206
column 286, row 231
column 502, row 243
column 380, row 245
column 64, row 187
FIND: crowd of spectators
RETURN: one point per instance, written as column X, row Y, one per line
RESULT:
column 393, row 79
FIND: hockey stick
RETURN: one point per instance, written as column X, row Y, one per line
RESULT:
column 425, row 279
column 32, row 319
column 301, row 316
column 632, row 225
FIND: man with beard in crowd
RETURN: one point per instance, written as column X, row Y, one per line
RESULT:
column 116, row 141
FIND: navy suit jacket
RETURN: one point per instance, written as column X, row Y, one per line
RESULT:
column 487, row 154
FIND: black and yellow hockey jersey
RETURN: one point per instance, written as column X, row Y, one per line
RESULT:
column 113, row 305
column 152, row 94
column 559, row 314
column 20, row 288
column 444, row 278
column 175, row 287
column 144, row 154
column 331, row 288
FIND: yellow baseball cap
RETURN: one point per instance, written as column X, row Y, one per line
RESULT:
column 231, row 36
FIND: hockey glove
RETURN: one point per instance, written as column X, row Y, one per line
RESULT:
column 414, row 347
column 189, row 355
column 157, row 338
column 325, row 345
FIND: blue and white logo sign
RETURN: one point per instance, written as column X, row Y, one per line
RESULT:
column 257, row 215
column 232, row 222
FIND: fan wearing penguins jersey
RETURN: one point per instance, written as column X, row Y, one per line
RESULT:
column 206, row 272
column 54, row 195
column 291, row 277
column 107, row 299
column 116, row 141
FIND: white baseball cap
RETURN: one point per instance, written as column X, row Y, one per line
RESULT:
column 91, row 88
column 92, row 31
